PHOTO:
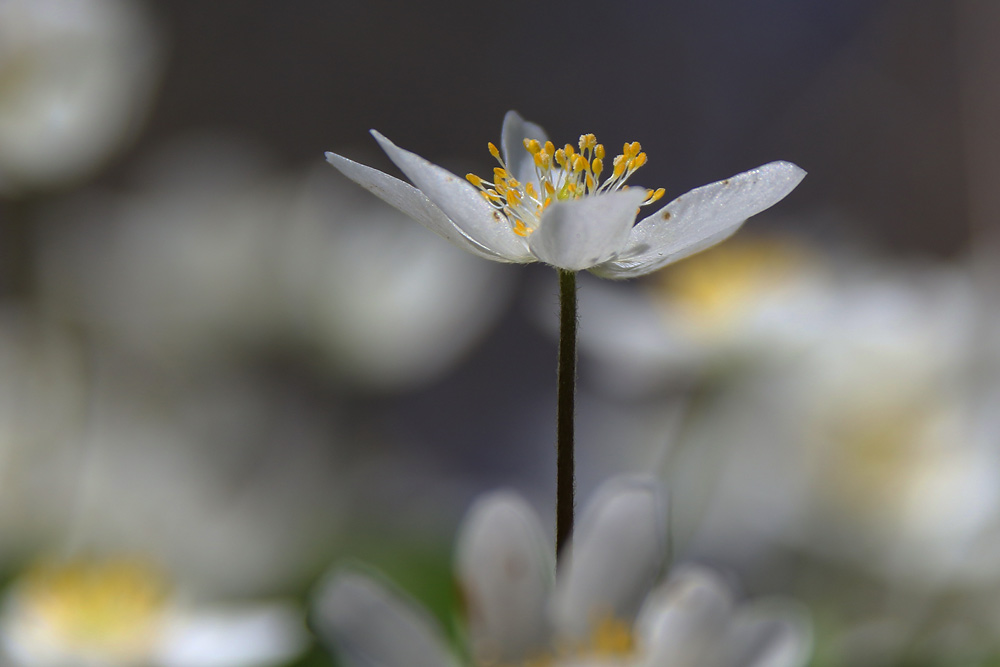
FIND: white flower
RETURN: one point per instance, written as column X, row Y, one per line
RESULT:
column 75, row 81
column 214, row 256
column 120, row 613
column 752, row 299
column 603, row 608
column 547, row 204
column 389, row 303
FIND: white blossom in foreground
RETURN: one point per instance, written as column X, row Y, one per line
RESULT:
column 603, row 608
column 76, row 79
column 121, row 613
column 550, row 205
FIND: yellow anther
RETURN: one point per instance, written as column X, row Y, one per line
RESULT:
column 638, row 160
column 546, row 203
column 494, row 151
column 529, row 189
column 620, row 165
column 520, row 228
column 475, row 180
column 599, row 151
column 587, row 141
column 532, row 146
column 590, row 182
column 636, row 148
column 570, row 151
column 500, row 173
column 655, row 195
column 580, row 163
column 549, row 188
column 627, row 150
column 550, row 148
column 561, row 158
column 597, row 166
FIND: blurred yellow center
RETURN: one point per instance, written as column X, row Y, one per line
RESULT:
column 610, row 640
column 561, row 174
column 612, row 637
column 108, row 608
column 715, row 288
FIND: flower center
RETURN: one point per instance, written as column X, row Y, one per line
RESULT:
column 109, row 610
column 560, row 174
column 714, row 289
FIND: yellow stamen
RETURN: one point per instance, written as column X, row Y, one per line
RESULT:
column 612, row 637
column 560, row 174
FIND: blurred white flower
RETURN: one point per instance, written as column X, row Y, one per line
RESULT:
column 603, row 608
column 216, row 256
column 550, row 205
column 751, row 299
column 386, row 302
column 123, row 613
column 76, row 79
column 865, row 447
column 179, row 269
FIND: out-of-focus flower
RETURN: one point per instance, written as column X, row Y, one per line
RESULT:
column 76, row 79
column 180, row 269
column 866, row 447
column 124, row 613
column 549, row 205
column 603, row 608
column 386, row 302
column 216, row 256
column 757, row 299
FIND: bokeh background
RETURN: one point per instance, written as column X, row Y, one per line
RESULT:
column 220, row 357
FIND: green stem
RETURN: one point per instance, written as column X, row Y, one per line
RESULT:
column 565, row 396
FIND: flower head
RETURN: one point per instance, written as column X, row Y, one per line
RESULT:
column 549, row 204
column 604, row 607
column 121, row 612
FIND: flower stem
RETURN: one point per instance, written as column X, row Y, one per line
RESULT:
column 565, row 396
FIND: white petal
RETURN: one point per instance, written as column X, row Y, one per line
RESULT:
column 520, row 162
column 769, row 634
column 371, row 626
column 701, row 218
column 685, row 620
column 618, row 549
column 461, row 202
column 582, row 233
column 410, row 201
column 505, row 571
column 243, row 636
